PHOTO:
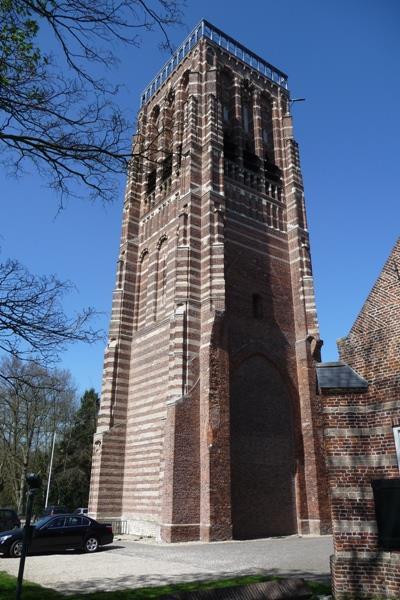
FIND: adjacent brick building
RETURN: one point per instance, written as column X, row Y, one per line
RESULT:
column 361, row 405
column 209, row 425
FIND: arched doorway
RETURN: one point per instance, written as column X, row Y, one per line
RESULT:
column 262, row 456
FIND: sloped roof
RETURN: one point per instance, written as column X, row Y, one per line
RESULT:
column 338, row 375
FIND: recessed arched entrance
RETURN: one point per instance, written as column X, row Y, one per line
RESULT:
column 262, row 455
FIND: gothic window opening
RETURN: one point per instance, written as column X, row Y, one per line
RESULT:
column 163, row 280
column 300, row 213
column 246, row 119
column 182, row 229
column 185, row 86
column 155, row 113
column 229, row 146
column 258, row 312
column 226, row 97
column 247, row 115
column 227, row 102
column 168, row 125
column 151, row 181
column 142, row 292
column 153, row 133
column 267, row 129
column 167, row 167
column 210, row 57
column 250, row 160
column 161, row 276
column 121, row 267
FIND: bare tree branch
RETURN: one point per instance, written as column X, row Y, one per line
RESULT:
column 61, row 117
column 33, row 324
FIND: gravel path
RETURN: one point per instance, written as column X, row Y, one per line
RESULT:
column 129, row 563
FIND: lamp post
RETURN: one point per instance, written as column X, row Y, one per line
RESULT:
column 50, row 469
column 34, row 483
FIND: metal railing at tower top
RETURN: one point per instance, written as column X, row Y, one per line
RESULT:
column 205, row 30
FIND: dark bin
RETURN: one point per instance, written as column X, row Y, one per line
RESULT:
column 387, row 511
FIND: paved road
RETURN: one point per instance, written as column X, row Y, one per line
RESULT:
column 136, row 564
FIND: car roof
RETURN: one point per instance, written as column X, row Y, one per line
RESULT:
column 65, row 514
column 70, row 514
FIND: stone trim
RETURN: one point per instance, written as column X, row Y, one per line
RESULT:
column 377, row 460
column 369, row 557
column 357, row 432
column 349, row 526
column 356, row 493
column 362, row 409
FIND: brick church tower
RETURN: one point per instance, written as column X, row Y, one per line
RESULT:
column 209, row 425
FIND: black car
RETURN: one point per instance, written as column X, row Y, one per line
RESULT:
column 8, row 519
column 56, row 533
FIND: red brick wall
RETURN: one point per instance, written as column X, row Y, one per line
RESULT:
column 360, row 445
column 173, row 381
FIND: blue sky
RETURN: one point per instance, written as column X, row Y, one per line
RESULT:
column 343, row 57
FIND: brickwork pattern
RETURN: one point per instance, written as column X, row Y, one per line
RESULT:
column 214, row 285
column 360, row 445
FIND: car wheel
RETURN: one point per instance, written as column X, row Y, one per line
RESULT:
column 16, row 549
column 91, row 544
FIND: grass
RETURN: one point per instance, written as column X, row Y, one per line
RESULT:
column 32, row 591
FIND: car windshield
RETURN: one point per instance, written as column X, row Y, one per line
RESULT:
column 42, row 521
